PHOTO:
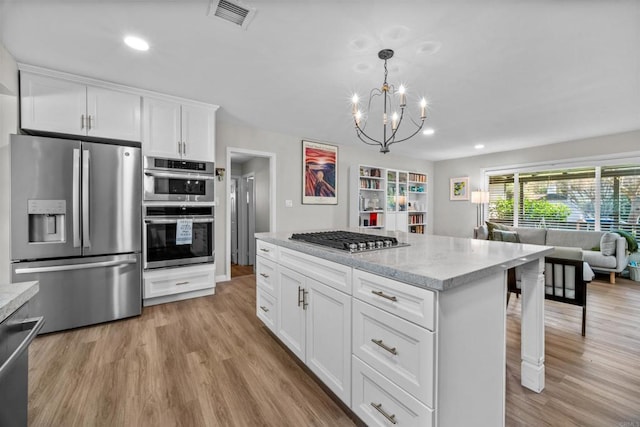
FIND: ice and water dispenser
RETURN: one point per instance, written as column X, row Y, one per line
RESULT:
column 46, row 220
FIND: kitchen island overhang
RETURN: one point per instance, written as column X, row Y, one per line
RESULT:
column 468, row 278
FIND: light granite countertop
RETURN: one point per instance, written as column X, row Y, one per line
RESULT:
column 13, row 295
column 433, row 262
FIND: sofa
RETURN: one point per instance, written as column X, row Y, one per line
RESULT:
column 606, row 254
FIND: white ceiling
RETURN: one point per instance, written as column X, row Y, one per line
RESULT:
column 503, row 73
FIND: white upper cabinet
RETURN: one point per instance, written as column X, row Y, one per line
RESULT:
column 178, row 130
column 52, row 104
column 161, row 128
column 113, row 114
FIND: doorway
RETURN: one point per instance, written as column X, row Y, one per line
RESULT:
column 250, row 206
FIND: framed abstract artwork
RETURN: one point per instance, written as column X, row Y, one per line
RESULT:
column 459, row 188
column 319, row 173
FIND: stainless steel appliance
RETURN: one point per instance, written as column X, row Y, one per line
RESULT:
column 178, row 180
column 348, row 240
column 76, row 227
column 16, row 333
column 163, row 245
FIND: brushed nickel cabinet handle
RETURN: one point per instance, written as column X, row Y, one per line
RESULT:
column 266, row 276
column 264, row 250
column 391, row 418
column 383, row 295
column 184, row 147
column 300, row 300
column 380, row 343
column 82, row 121
column 89, row 122
column 179, row 147
column 263, row 308
column 182, row 283
column 304, row 299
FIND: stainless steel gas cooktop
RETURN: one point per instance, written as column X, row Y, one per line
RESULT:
column 348, row 241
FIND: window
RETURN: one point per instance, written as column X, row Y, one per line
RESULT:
column 590, row 198
column 620, row 198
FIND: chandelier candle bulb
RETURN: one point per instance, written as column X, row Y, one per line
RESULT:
column 354, row 99
column 423, row 108
column 403, row 96
column 394, row 121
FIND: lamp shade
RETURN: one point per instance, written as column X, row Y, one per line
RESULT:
column 479, row 197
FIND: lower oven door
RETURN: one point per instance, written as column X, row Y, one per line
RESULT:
column 163, row 247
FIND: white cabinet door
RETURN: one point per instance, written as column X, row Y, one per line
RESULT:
column 52, row 105
column 198, row 132
column 113, row 114
column 291, row 310
column 328, row 337
column 161, row 129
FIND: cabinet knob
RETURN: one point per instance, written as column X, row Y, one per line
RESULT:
column 266, row 276
column 263, row 308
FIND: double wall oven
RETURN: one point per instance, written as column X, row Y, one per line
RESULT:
column 178, row 213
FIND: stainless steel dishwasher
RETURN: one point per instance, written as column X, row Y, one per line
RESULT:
column 16, row 333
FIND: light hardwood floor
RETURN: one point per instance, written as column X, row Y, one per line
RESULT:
column 210, row 362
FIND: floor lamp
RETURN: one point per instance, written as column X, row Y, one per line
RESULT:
column 480, row 198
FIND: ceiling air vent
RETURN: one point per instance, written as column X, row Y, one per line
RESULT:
column 233, row 12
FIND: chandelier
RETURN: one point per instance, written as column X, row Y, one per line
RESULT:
column 389, row 130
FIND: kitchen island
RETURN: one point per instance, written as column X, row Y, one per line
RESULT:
column 413, row 335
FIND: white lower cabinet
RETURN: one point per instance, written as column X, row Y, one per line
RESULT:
column 314, row 322
column 173, row 284
column 379, row 402
column 266, row 308
column 400, row 350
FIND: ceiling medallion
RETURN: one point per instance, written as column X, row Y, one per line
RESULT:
column 388, row 93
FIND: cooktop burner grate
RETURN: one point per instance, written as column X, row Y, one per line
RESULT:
column 348, row 241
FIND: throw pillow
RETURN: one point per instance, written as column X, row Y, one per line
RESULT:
column 506, row 236
column 608, row 244
column 495, row 226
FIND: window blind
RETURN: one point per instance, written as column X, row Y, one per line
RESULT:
column 620, row 198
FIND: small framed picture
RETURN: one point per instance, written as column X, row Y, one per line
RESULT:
column 459, row 188
column 319, row 173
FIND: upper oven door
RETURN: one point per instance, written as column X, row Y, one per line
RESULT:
column 181, row 187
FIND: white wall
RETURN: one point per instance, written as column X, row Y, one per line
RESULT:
column 288, row 151
column 8, row 125
column 458, row 218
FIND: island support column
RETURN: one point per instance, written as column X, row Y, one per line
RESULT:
column 532, row 327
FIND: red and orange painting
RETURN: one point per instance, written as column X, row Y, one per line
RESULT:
column 320, row 173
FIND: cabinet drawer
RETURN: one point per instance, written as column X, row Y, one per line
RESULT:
column 266, row 275
column 168, row 282
column 412, row 303
column 266, row 250
column 330, row 273
column 379, row 402
column 400, row 350
column 266, row 309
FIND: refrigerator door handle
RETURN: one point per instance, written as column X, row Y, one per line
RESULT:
column 75, row 214
column 31, row 270
column 85, row 199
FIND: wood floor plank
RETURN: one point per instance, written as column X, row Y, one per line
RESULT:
column 210, row 362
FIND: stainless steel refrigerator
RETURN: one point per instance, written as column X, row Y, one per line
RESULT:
column 76, row 227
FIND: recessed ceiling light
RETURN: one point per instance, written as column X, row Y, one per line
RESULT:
column 478, row 146
column 136, row 43
column 428, row 131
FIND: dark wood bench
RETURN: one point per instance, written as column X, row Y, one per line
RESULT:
column 561, row 265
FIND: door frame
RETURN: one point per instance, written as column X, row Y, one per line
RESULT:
column 272, row 199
